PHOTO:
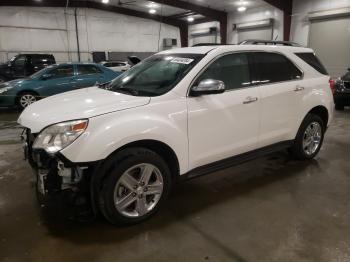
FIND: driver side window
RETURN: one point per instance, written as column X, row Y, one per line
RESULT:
column 62, row 71
column 232, row 69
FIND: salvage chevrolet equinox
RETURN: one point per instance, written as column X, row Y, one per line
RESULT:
column 178, row 114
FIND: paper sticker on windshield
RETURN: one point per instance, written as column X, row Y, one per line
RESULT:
column 181, row 60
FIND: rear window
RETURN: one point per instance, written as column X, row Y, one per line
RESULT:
column 313, row 61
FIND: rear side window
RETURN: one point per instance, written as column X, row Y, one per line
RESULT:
column 313, row 61
column 88, row 69
column 273, row 68
column 232, row 69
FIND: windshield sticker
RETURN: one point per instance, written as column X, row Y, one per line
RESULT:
column 181, row 60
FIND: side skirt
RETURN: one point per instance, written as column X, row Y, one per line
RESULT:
column 235, row 160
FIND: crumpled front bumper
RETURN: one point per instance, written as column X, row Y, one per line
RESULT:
column 59, row 182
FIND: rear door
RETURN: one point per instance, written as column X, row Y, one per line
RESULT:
column 280, row 87
column 88, row 75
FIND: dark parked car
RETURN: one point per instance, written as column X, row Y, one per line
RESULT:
column 342, row 91
column 53, row 80
column 24, row 65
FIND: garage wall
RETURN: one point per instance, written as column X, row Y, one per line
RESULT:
column 52, row 30
column 255, row 14
column 204, row 38
column 300, row 24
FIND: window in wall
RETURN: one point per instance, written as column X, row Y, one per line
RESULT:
column 232, row 69
column 272, row 68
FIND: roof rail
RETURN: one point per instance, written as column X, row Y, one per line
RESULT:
column 268, row 42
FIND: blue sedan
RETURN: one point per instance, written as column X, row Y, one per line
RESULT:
column 53, row 80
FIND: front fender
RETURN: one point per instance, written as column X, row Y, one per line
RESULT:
column 107, row 133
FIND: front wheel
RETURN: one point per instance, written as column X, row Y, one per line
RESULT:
column 136, row 184
column 309, row 139
column 25, row 99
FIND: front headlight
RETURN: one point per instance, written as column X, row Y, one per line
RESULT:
column 56, row 137
column 4, row 88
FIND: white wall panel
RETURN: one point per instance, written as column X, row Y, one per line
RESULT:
column 255, row 14
column 301, row 25
column 98, row 31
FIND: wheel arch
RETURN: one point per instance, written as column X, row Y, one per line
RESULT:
column 322, row 112
column 162, row 149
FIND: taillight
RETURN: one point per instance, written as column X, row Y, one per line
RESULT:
column 332, row 85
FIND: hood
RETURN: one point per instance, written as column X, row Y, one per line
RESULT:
column 79, row 104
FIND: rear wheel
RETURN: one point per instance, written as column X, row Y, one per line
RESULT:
column 339, row 107
column 25, row 99
column 309, row 139
column 136, row 184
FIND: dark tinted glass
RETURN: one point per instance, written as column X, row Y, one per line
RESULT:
column 42, row 60
column 232, row 69
column 88, row 69
column 313, row 61
column 272, row 68
column 62, row 71
column 20, row 60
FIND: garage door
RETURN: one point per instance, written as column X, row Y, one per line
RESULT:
column 330, row 38
column 264, row 33
column 211, row 39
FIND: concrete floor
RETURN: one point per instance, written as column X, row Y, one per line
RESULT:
column 270, row 209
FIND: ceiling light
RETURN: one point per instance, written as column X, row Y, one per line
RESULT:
column 190, row 19
column 105, row 1
column 152, row 5
column 152, row 11
column 241, row 9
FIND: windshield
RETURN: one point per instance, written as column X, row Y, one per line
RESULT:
column 156, row 75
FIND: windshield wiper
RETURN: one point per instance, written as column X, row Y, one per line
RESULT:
column 125, row 90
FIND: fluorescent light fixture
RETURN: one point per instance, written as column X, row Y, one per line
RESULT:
column 241, row 9
column 190, row 19
column 105, row 1
column 153, row 5
column 152, row 11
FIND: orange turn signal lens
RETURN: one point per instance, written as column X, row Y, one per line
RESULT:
column 79, row 127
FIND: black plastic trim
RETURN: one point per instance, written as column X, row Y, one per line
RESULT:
column 235, row 160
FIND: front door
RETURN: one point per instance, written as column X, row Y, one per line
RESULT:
column 227, row 124
column 61, row 80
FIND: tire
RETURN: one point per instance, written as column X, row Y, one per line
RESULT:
column 339, row 107
column 25, row 99
column 135, row 203
column 299, row 150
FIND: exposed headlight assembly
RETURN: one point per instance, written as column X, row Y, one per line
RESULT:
column 58, row 136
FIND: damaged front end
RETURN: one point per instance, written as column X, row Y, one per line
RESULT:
column 61, row 185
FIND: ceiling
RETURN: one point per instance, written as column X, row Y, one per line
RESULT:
column 165, row 10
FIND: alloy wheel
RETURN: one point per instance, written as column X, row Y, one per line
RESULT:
column 312, row 138
column 138, row 190
column 27, row 99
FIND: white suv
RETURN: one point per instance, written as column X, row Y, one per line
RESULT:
column 178, row 114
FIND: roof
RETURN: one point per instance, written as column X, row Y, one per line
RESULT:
column 227, row 48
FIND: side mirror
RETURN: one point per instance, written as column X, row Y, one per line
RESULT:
column 207, row 87
column 46, row 76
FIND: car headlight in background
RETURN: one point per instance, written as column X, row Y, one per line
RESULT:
column 4, row 88
column 58, row 136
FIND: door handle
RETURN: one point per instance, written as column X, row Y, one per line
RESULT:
column 250, row 99
column 299, row 88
